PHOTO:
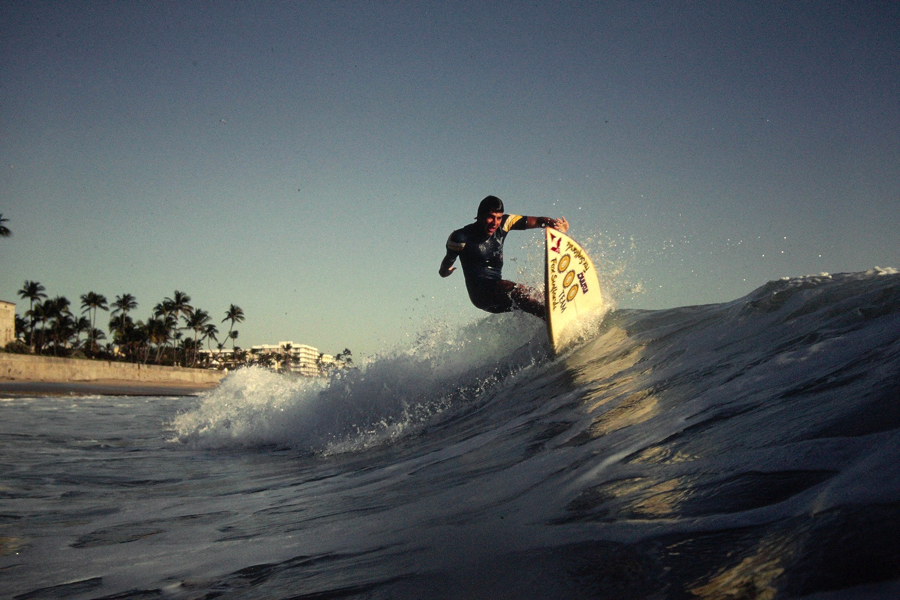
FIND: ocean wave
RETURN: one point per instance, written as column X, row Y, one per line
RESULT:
column 442, row 372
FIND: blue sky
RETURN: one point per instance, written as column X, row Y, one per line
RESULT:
column 306, row 161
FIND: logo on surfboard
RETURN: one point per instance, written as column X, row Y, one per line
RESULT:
column 583, row 281
column 555, row 242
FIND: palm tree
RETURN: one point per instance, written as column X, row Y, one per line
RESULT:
column 123, row 305
column 186, row 346
column 165, row 310
column 62, row 324
column 97, row 334
column 210, row 332
column 345, row 358
column 119, row 325
column 83, row 325
column 139, row 342
column 34, row 292
column 267, row 359
column 235, row 315
column 39, row 313
column 179, row 305
column 176, row 344
column 90, row 302
column 197, row 321
column 288, row 357
column 21, row 326
column 4, row 230
column 157, row 330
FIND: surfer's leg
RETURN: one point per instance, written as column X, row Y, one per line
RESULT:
column 528, row 299
column 492, row 296
column 500, row 296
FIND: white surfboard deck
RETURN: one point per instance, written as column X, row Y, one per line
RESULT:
column 573, row 292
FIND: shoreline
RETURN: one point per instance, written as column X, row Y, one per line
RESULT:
column 101, row 387
column 28, row 375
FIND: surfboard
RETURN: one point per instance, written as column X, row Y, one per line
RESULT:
column 571, row 285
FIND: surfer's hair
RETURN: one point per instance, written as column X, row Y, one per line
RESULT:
column 491, row 204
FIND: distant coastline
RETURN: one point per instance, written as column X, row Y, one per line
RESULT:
column 44, row 375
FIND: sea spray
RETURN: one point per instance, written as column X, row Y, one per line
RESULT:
column 443, row 371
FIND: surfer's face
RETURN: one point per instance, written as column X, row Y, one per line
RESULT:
column 490, row 222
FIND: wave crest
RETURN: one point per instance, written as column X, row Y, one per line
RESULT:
column 444, row 371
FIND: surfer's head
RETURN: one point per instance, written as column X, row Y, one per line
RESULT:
column 490, row 214
column 491, row 204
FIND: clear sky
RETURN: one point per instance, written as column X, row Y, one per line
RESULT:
column 307, row 160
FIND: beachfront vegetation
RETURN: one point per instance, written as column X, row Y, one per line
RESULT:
column 234, row 314
column 173, row 334
column 50, row 327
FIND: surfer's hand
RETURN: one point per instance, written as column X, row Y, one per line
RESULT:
column 560, row 225
column 446, row 272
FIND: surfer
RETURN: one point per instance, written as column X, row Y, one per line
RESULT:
column 479, row 247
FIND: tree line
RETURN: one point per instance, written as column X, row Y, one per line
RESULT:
column 174, row 333
column 50, row 326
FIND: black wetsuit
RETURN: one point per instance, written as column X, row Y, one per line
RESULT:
column 481, row 256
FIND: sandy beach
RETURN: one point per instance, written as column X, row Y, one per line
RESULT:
column 108, row 387
column 27, row 375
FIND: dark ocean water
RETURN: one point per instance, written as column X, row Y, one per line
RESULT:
column 741, row 450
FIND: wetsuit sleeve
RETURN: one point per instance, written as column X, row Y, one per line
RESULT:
column 455, row 244
column 511, row 222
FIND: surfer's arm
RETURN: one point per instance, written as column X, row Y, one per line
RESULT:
column 559, row 224
column 447, row 265
column 455, row 244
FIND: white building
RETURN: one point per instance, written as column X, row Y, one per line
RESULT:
column 284, row 356
column 7, row 323
column 296, row 358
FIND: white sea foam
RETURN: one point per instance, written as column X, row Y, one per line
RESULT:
column 387, row 397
